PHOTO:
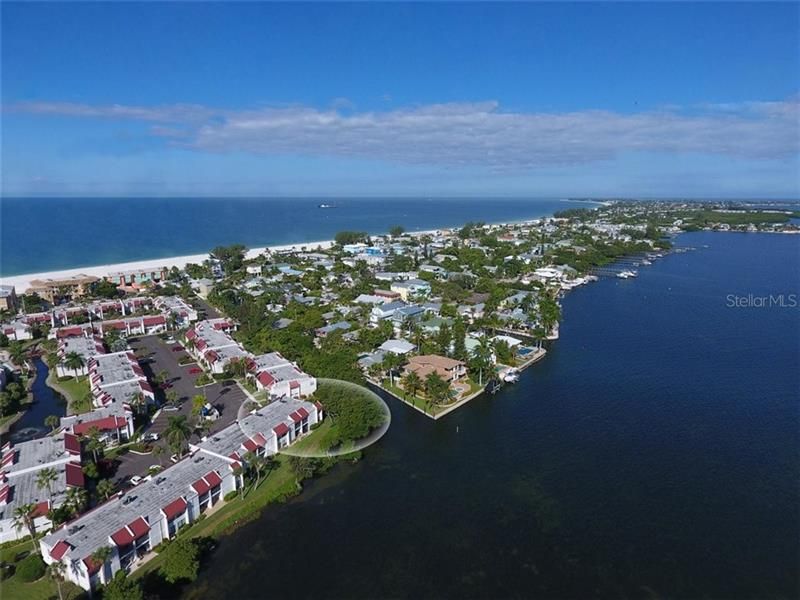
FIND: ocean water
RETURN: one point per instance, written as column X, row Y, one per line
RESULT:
column 46, row 234
column 652, row 454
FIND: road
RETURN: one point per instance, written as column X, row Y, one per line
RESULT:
column 156, row 355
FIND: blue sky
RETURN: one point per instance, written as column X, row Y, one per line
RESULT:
column 552, row 99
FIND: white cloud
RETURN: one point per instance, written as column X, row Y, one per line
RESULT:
column 466, row 134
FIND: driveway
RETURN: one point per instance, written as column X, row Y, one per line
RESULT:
column 155, row 356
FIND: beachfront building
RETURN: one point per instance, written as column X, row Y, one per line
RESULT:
column 448, row 369
column 19, row 486
column 132, row 523
column 142, row 276
column 8, row 298
column 64, row 287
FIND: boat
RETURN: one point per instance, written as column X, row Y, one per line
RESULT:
column 323, row 205
column 511, row 375
column 626, row 274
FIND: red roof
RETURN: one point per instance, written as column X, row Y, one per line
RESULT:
column 200, row 486
column 250, row 445
column 41, row 509
column 115, row 325
column 281, row 429
column 59, row 550
column 212, row 356
column 92, row 566
column 74, row 475
column 213, row 479
column 8, row 459
column 191, row 334
column 104, row 424
column 5, row 492
column 145, row 386
column 265, row 378
column 129, row 533
column 302, row 412
column 294, row 385
column 69, row 331
column 295, row 417
column 72, row 444
column 159, row 320
column 174, row 508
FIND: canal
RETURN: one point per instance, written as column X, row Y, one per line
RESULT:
column 46, row 402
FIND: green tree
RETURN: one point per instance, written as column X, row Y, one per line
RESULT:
column 350, row 237
column 459, row 339
column 177, row 433
column 121, row 587
column 181, row 561
column 105, row 487
column 412, row 383
column 397, row 231
column 52, row 421
column 436, row 388
column 74, row 361
column 23, row 518
column 76, row 500
column 56, row 572
column 93, row 442
column 443, row 339
column 91, row 471
column 45, row 479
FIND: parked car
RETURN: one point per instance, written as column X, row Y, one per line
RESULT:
column 150, row 437
column 170, row 340
column 136, row 480
column 177, row 348
column 170, row 407
column 195, row 370
column 166, row 385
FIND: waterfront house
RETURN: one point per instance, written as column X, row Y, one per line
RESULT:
column 448, row 369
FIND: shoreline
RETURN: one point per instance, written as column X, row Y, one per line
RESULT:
column 22, row 282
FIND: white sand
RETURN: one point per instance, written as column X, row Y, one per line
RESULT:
column 22, row 282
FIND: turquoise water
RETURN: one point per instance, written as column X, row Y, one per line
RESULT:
column 46, row 234
column 652, row 454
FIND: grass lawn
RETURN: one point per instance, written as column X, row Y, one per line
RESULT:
column 321, row 439
column 75, row 390
column 42, row 589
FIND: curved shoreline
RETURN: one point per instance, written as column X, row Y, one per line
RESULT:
column 22, row 282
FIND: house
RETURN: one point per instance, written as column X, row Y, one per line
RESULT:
column 448, row 369
column 387, row 294
column 397, row 346
column 406, row 314
column 21, row 464
column 184, row 313
column 411, row 288
column 439, row 272
column 118, row 378
column 371, row 299
column 202, row 286
column 280, row 377
column 384, row 311
column 212, row 345
column 338, row 326
column 85, row 347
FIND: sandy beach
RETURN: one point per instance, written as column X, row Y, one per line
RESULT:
column 22, row 282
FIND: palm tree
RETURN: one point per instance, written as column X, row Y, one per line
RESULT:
column 483, row 355
column 391, row 362
column 45, row 479
column 375, row 370
column 52, row 421
column 177, row 433
column 56, row 571
column 105, row 487
column 77, row 499
column 23, row 517
column 74, row 361
column 93, row 442
column 17, row 353
column 436, row 388
column 412, row 384
column 100, row 557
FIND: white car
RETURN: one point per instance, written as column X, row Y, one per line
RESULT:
column 170, row 340
column 136, row 480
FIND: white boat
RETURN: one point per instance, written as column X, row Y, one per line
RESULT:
column 511, row 376
column 626, row 274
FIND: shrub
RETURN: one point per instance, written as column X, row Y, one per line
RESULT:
column 231, row 495
column 31, row 568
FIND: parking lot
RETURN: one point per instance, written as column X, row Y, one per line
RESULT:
column 156, row 355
